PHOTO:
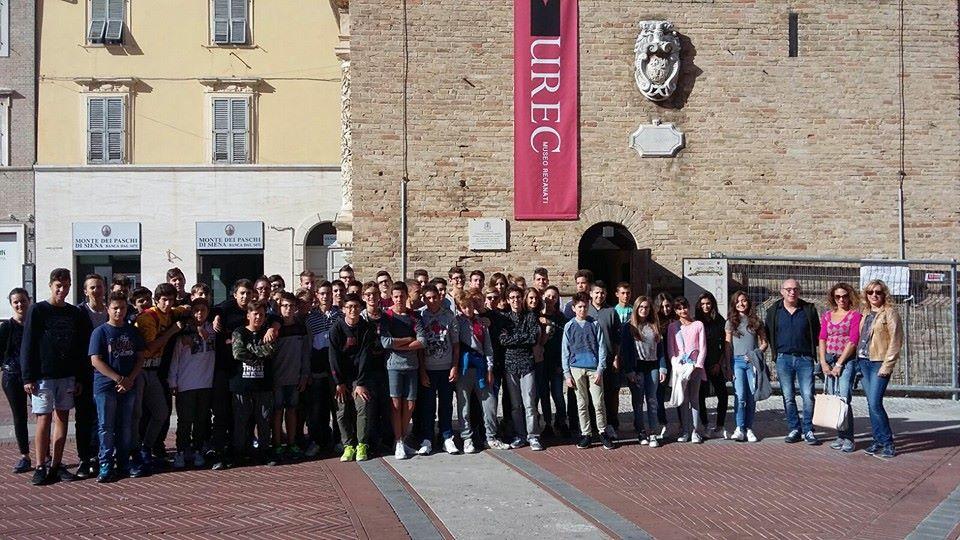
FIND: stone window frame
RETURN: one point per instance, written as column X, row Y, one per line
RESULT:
column 232, row 88
column 250, row 42
column 108, row 88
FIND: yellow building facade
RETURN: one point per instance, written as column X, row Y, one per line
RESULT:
column 179, row 124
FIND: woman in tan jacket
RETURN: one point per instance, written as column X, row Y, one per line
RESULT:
column 878, row 350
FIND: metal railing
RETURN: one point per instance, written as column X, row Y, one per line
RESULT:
column 924, row 292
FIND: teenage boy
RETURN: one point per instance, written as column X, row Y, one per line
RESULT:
column 584, row 360
column 414, row 295
column 609, row 322
column 116, row 351
column 422, row 276
column 191, row 381
column 141, row 298
column 346, row 273
column 541, row 279
column 351, row 340
column 338, row 289
column 291, row 372
column 439, row 332
column 477, row 279
column 318, row 403
column 157, row 325
column 457, row 279
column 583, row 279
column 251, row 386
column 398, row 336
column 384, row 281
column 624, row 305
column 441, row 285
column 121, row 283
column 308, row 280
column 354, row 287
column 520, row 334
column 85, row 417
column 176, row 278
column 201, row 290
column 53, row 353
column 277, row 286
column 380, row 428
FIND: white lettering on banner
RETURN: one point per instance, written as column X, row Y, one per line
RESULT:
column 546, row 78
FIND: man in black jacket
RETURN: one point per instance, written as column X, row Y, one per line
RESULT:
column 793, row 327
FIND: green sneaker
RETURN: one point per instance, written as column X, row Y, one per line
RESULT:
column 363, row 452
column 349, row 453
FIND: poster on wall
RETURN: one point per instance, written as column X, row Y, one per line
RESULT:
column 706, row 275
column 12, row 257
column 546, row 165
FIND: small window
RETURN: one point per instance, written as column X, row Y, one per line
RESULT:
column 230, row 22
column 231, row 130
column 106, row 130
column 793, row 34
column 4, row 27
column 106, row 21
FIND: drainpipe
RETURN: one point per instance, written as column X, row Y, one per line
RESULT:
column 406, row 175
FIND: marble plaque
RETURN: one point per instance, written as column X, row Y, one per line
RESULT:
column 657, row 140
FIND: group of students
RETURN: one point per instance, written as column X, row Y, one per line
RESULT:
column 357, row 369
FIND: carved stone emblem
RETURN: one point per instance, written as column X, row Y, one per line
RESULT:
column 658, row 59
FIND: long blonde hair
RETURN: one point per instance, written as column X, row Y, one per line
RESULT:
column 883, row 287
column 636, row 324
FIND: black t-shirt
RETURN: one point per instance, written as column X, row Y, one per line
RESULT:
column 55, row 340
column 11, row 339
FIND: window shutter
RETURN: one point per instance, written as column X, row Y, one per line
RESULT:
column 114, row 29
column 221, row 130
column 238, row 21
column 239, row 130
column 221, row 21
column 115, row 130
column 98, row 21
column 96, row 129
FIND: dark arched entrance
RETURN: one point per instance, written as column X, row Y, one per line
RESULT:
column 609, row 251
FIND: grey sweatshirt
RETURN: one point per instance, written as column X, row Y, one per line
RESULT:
column 438, row 332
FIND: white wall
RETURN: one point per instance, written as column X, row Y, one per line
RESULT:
column 169, row 201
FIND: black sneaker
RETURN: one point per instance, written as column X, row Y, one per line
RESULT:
column 607, row 441
column 792, row 437
column 85, row 470
column 221, row 465
column 872, row 449
column 584, row 442
column 811, row 439
column 885, row 452
column 40, row 476
column 23, row 465
column 61, row 474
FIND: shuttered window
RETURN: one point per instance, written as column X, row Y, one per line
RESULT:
column 106, row 130
column 231, row 130
column 230, row 21
column 106, row 21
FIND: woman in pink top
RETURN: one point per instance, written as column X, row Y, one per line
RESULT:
column 687, row 343
column 839, row 335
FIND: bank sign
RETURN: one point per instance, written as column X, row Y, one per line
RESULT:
column 106, row 236
column 213, row 235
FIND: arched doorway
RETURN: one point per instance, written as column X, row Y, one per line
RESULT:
column 609, row 251
column 321, row 254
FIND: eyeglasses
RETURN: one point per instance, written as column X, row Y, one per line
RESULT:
column 791, row 289
column 841, row 297
column 513, row 297
column 383, row 282
column 875, row 292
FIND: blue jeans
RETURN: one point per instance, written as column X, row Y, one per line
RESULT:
column 440, row 390
column 550, row 385
column 874, row 386
column 115, row 425
column 644, row 393
column 796, row 369
column 843, row 387
column 744, row 404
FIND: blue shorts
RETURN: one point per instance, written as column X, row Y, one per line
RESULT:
column 53, row 394
column 286, row 397
column 403, row 384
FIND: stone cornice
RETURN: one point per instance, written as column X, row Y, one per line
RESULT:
column 108, row 84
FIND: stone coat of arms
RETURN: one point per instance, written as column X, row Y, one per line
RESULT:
column 658, row 59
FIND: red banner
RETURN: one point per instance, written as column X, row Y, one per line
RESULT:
column 546, row 163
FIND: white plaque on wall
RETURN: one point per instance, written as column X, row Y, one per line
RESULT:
column 657, row 140
column 897, row 278
column 213, row 235
column 106, row 236
column 706, row 275
column 488, row 234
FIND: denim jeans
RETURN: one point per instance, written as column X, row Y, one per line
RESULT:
column 796, row 369
column 550, row 386
column 115, row 425
column 843, row 387
column 643, row 395
column 744, row 404
column 440, row 390
column 874, row 386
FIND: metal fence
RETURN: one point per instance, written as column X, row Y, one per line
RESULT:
column 924, row 292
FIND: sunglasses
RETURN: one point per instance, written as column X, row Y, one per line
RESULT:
column 876, row 292
column 841, row 297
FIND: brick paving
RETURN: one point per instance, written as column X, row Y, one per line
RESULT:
column 318, row 499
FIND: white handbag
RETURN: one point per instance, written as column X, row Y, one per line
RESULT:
column 830, row 410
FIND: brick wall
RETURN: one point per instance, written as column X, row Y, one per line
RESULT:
column 787, row 156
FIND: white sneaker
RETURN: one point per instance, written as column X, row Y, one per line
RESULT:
column 400, row 452
column 751, row 436
column 738, row 435
column 198, row 460
column 497, row 444
column 683, row 438
column 726, row 434
column 644, row 441
column 653, row 441
column 663, row 433
column 450, row 446
column 611, row 432
column 179, row 461
column 468, row 447
column 426, row 448
column 696, row 438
